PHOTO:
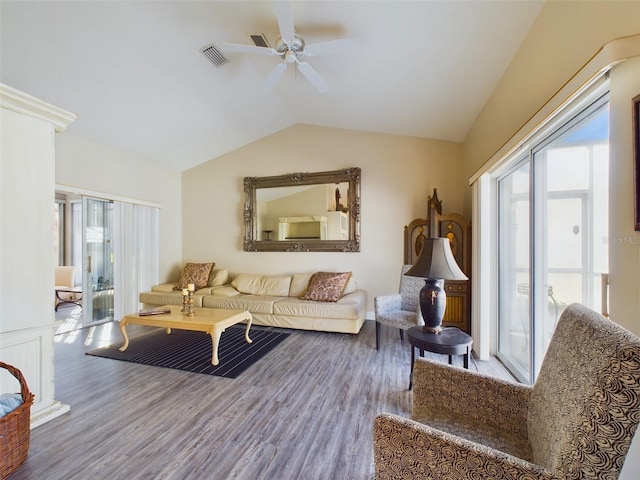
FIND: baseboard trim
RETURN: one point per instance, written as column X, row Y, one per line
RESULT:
column 46, row 414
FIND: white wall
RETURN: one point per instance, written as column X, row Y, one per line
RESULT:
column 26, row 261
column 398, row 173
column 100, row 168
column 624, row 241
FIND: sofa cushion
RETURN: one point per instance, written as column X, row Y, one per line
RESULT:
column 326, row 286
column 196, row 273
column 299, row 284
column 273, row 285
column 225, row 291
column 253, row 303
column 218, row 277
column 349, row 306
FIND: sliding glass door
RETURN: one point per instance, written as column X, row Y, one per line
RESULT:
column 553, row 224
column 98, row 260
column 514, row 269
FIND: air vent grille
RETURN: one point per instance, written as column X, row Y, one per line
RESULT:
column 214, row 55
column 259, row 40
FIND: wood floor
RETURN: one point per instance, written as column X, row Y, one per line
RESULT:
column 305, row 411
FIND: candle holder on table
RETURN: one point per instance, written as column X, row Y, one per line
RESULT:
column 185, row 300
column 190, row 289
column 190, row 312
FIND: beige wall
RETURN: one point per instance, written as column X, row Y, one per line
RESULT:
column 101, row 168
column 562, row 40
column 397, row 175
column 565, row 36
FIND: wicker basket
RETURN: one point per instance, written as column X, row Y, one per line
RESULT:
column 15, row 429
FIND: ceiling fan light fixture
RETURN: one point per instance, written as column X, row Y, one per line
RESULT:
column 291, row 48
column 296, row 45
column 290, row 56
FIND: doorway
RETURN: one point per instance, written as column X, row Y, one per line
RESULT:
column 115, row 243
column 83, row 238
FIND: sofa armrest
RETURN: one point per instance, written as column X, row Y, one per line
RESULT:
column 164, row 287
column 403, row 448
column 169, row 288
column 386, row 304
column 444, row 390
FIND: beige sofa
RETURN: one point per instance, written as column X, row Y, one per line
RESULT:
column 273, row 300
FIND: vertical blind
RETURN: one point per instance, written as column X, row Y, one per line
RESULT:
column 137, row 248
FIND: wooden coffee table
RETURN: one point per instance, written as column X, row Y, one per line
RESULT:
column 213, row 321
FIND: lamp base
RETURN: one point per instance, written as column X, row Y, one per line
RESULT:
column 436, row 330
column 433, row 302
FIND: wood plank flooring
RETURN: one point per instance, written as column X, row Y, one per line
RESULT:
column 305, row 411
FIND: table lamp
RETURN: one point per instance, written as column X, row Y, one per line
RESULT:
column 435, row 264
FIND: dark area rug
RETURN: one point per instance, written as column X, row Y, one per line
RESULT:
column 191, row 351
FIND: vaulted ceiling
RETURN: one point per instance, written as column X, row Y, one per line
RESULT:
column 135, row 74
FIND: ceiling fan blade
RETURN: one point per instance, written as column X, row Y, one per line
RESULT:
column 332, row 46
column 275, row 75
column 235, row 47
column 284, row 12
column 313, row 76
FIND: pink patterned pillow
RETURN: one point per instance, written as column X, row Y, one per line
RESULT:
column 326, row 286
column 196, row 273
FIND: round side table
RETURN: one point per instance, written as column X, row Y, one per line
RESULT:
column 450, row 341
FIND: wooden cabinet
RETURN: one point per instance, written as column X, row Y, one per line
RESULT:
column 458, row 230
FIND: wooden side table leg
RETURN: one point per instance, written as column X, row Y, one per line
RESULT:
column 413, row 358
column 466, row 358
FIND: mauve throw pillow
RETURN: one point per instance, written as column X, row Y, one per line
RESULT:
column 326, row 286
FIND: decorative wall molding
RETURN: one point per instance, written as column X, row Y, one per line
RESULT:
column 20, row 102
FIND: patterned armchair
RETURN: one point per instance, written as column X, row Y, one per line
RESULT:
column 400, row 310
column 576, row 421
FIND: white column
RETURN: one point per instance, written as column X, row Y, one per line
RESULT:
column 27, row 259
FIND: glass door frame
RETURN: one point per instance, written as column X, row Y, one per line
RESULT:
column 92, row 288
column 538, row 264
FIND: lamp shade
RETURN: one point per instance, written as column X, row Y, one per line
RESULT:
column 436, row 260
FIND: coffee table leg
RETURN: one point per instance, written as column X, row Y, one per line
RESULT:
column 215, row 340
column 124, row 346
column 246, row 332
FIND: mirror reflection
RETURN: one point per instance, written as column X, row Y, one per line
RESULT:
column 313, row 212
column 303, row 212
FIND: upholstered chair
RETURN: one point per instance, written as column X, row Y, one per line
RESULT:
column 66, row 278
column 400, row 310
column 576, row 421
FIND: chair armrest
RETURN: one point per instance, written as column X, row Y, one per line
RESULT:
column 454, row 392
column 387, row 303
column 403, row 448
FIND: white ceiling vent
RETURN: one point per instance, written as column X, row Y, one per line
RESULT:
column 259, row 40
column 214, row 55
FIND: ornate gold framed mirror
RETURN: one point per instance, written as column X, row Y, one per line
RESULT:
column 303, row 212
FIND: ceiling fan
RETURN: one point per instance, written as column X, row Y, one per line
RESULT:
column 291, row 48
